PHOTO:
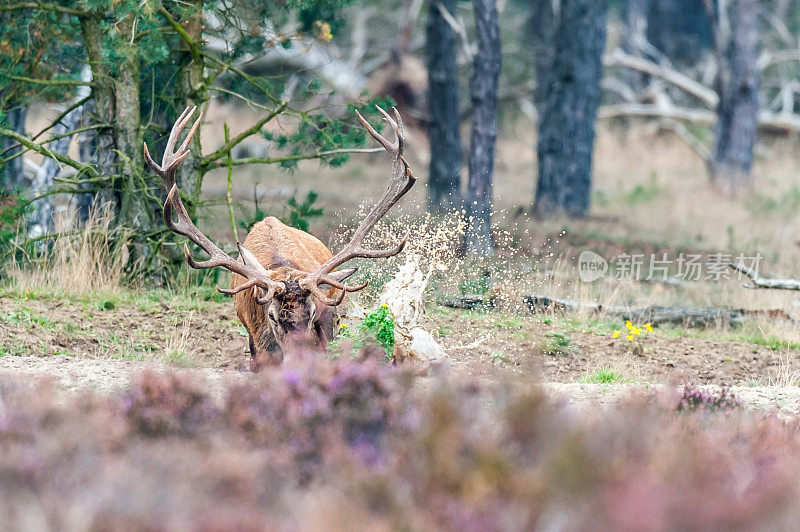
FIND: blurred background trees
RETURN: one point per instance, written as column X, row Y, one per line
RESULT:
column 120, row 72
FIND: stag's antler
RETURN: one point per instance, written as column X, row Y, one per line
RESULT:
column 249, row 268
column 401, row 181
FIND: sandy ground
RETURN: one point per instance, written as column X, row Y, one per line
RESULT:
column 109, row 376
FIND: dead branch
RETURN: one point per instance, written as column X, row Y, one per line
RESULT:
column 762, row 282
column 467, row 302
column 688, row 137
column 767, row 121
column 620, row 58
column 656, row 315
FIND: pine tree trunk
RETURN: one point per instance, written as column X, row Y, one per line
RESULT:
column 102, row 111
column 444, row 180
column 567, row 118
column 191, row 91
column 542, row 26
column 679, row 29
column 137, row 212
column 738, row 79
column 634, row 40
column 483, row 93
column 12, row 174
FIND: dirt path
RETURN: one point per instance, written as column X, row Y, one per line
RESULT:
column 99, row 346
column 110, row 375
column 102, row 375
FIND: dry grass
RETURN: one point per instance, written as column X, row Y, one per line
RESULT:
column 178, row 345
column 76, row 264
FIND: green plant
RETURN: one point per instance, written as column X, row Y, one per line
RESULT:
column 380, row 324
column 25, row 316
column 643, row 193
column 604, row 375
column 557, row 343
column 479, row 286
column 12, row 211
column 300, row 213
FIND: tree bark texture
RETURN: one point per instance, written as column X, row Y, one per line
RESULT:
column 679, row 29
column 483, row 93
column 634, row 39
column 738, row 79
column 137, row 206
column 567, row 117
column 192, row 92
column 12, row 176
column 444, row 180
column 102, row 111
column 542, row 27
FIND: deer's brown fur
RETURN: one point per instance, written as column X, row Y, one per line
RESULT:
column 289, row 253
column 285, row 283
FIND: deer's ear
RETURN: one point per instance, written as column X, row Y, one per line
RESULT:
column 250, row 259
column 340, row 276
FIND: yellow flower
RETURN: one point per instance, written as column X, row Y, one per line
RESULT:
column 615, row 334
column 629, row 325
column 636, row 330
column 629, row 337
column 648, row 327
column 323, row 31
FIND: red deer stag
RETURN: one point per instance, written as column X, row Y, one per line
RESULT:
column 286, row 288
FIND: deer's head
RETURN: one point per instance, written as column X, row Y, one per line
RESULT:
column 299, row 305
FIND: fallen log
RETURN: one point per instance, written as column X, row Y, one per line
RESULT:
column 767, row 121
column 763, row 282
column 657, row 315
column 701, row 317
column 470, row 302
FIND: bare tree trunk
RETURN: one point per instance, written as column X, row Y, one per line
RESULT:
column 137, row 211
column 102, row 111
column 192, row 93
column 634, row 40
column 542, row 26
column 12, row 176
column 738, row 80
column 483, row 93
column 679, row 29
column 84, row 202
column 444, row 182
column 567, row 117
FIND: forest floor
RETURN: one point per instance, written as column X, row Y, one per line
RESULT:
column 99, row 343
column 654, row 205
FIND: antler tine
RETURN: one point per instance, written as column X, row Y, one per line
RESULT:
column 177, row 219
column 377, row 136
column 241, row 288
column 401, row 181
column 330, row 301
column 399, row 130
column 180, row 123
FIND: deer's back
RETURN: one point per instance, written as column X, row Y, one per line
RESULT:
column 282, row 249
column 278, row 245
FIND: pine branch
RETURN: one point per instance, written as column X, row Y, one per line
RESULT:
column 302, row 157
column 194, row 47
column 224, row 150
column 46, row 7
column 53, row 139
column 40, row 149
column 53, row 82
